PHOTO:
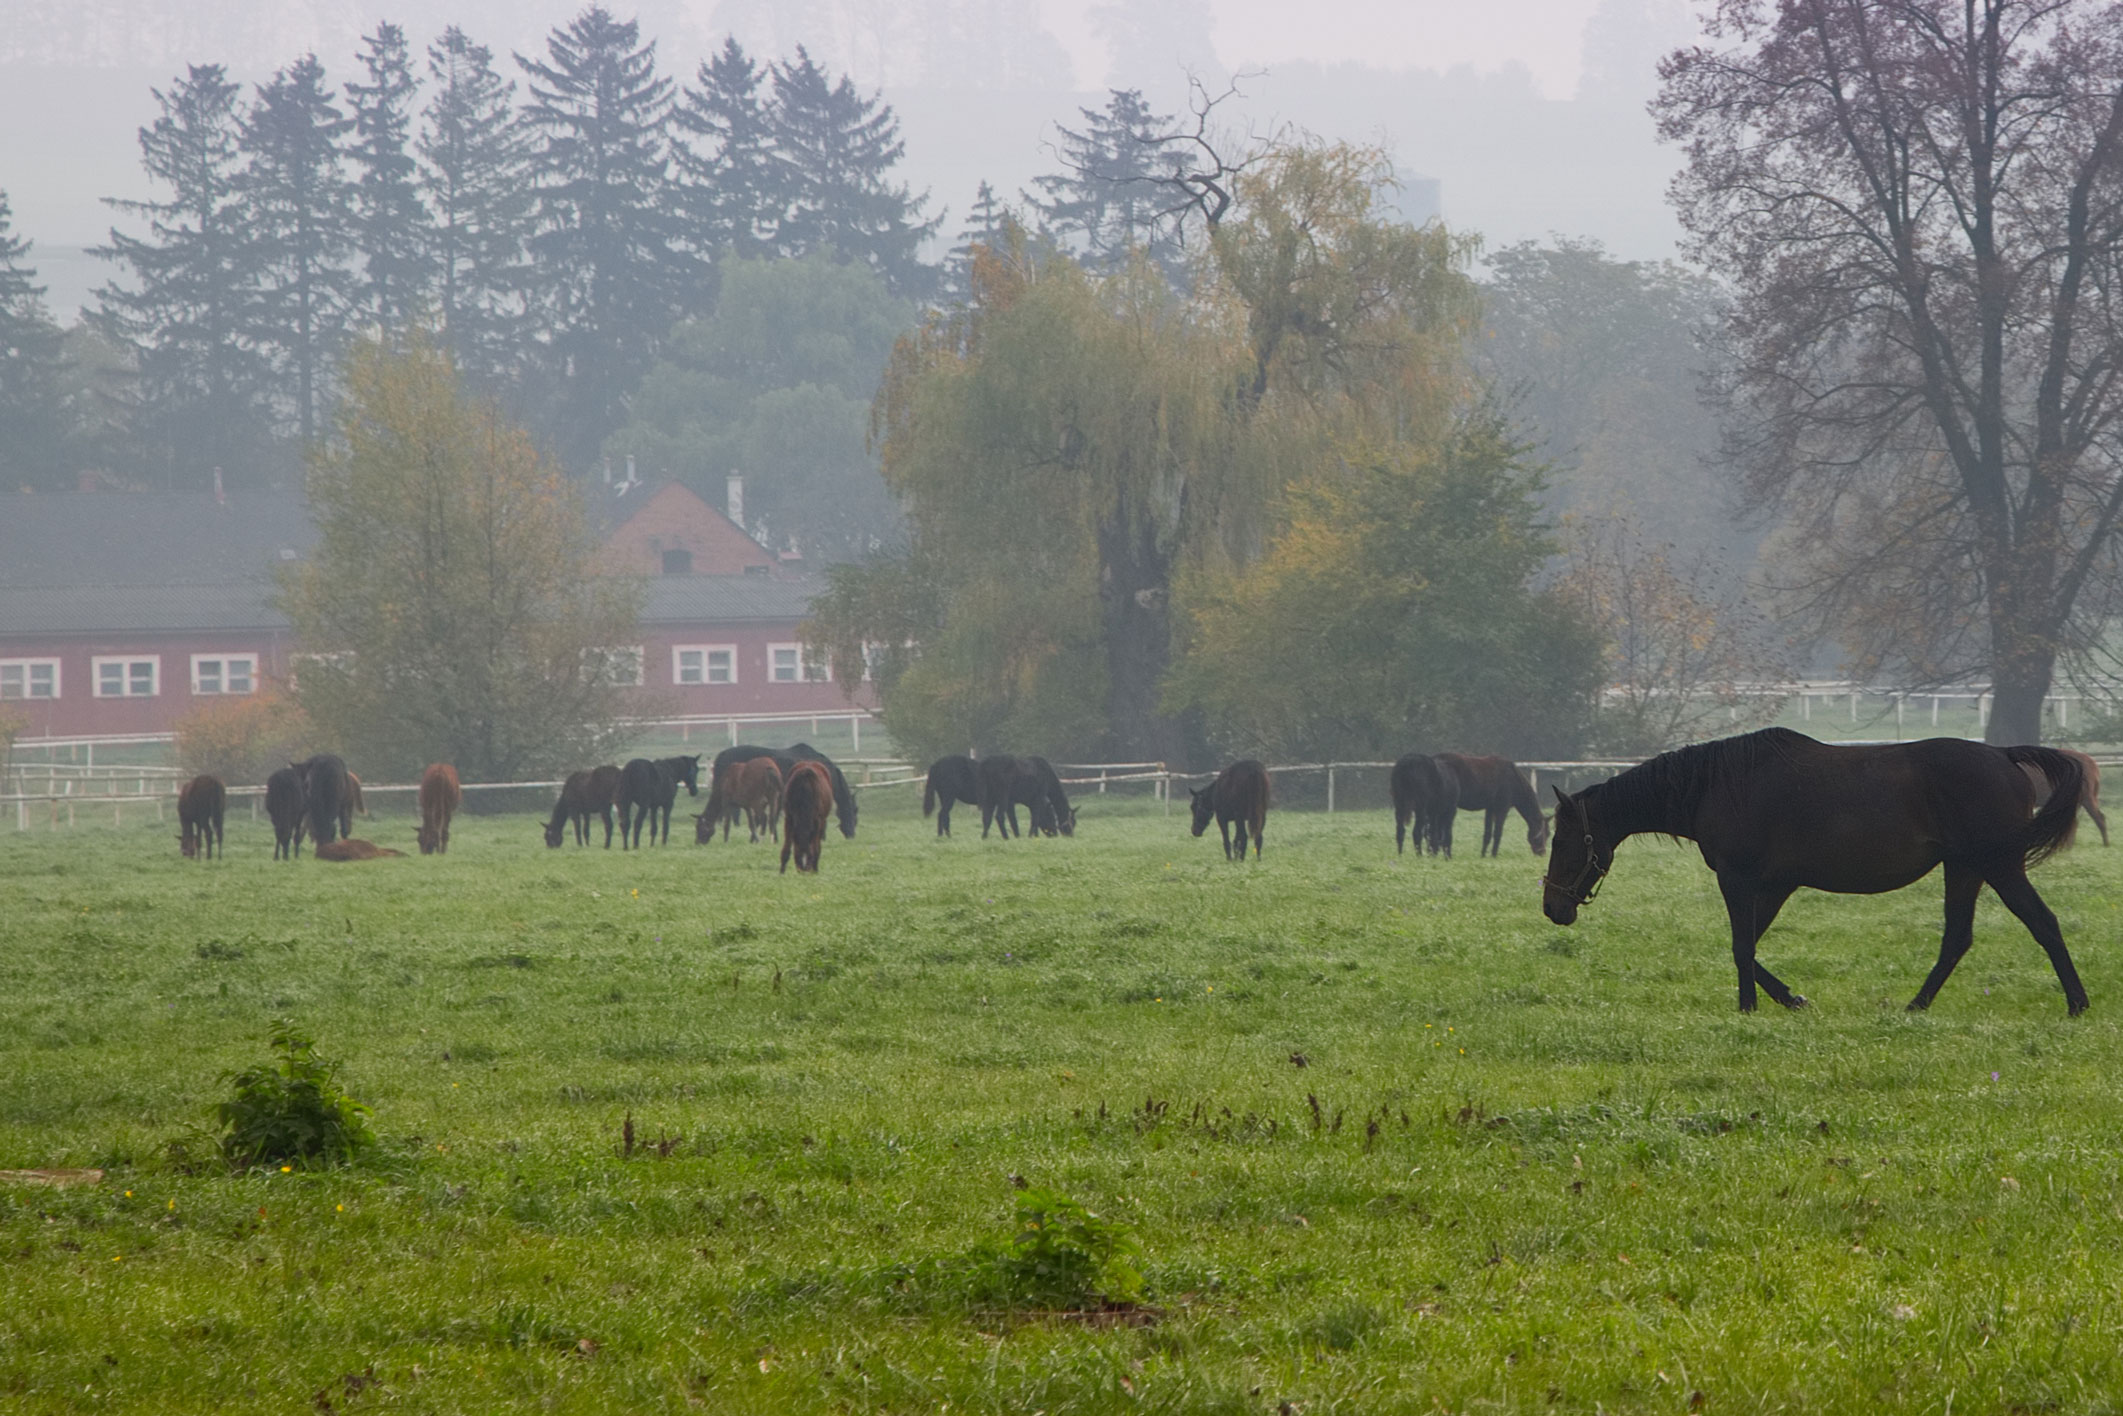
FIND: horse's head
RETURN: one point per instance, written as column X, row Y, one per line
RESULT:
column 554, row 831
column 188, row 844
column 1066, row 820
column 689, row 772
column 1204, row 806
column 704, row 825
column 1537, row 834
column 1576, row 868
column 429, row 838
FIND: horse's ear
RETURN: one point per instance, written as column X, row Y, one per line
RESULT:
column 1562, row 802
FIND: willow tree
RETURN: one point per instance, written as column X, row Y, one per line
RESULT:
column 450, row 612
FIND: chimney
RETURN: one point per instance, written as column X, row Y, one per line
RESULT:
column 630, row 469
column 220, row 497
column 736, row 486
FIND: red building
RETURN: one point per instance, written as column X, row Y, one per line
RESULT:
column 121, row 612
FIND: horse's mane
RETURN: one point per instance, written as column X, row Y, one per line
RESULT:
column 1671, row 786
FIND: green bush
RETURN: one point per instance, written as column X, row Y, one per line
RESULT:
column 1064, row 1256
column 291, row 1111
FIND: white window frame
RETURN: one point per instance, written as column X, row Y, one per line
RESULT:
column 222, row 676
column 707, row 653
column 806, row 671
column 613, row 652
column 27, row 667
column 97, row 663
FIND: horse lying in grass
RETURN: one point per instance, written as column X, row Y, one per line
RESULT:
column 348, row 848
column 1774, row 812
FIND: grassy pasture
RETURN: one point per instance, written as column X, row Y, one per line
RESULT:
column 1591, row 1184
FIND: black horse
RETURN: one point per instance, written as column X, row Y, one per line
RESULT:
column 330, row 797
column 1775, row 811
column 1006, row 783
column 951, row 779
column 647, row 791
column 1240, row 794
column 285, row 806
column 1426, row 797
column 786, row 759
column 1495, row 787
column 1060, row 815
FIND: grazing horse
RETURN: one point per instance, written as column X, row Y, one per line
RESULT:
column 2089, row 789
column 286, row 803
column 951, row 779
column 440, row 796
column 1060, row 815
column 752, row 787
column 199, row 809
column 786, row 759
column 1493, row 786
column 351, row 849
column 584, row 794
column 331, row 799
column 1774, row 811
column 805, row 800
column 1239, row 793
column 1427, row 797
column 646, row 792
column 1007, row 783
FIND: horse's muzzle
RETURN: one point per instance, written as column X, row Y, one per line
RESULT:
column 1559, row 907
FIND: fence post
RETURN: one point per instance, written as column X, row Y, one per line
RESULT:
column 1101, row 781
column 1935, row 710
column 855, row 727
column 1330, row 789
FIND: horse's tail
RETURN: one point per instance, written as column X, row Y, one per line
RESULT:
column 2053, row 826
column 928, row 796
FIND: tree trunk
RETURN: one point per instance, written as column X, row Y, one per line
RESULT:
column 2023, row 665
column 1134, row 595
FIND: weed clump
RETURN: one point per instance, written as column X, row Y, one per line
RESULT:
column 291, row 1110
column 1063, row 1256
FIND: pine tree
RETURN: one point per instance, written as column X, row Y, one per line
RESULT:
column 611, row 275
column 837, row 150
column 983, row 226
column 179, row 304
column 390, row 235
column 297, row 207
column 474, row 159
column 32, row 429
column 730, row 173
column 1104, row 203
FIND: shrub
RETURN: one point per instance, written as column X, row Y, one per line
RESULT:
column 242, row 740
column 1064, row 1256
column 292, row 1110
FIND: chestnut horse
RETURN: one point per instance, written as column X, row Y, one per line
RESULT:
column 1774, row 811
column 753, row 787
column 352, row 849
column 440, row 796
column 1239, row 793
column 1426, row 796
column 2089, row 789
column 199, row 809
column 806, row 799
column 1493, row 786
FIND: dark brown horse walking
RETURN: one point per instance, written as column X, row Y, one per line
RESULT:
column 753, row 787
column 1426, row 797
column 1775, row 811
column 1494, row 787
column 199, row 810
column 1240, row 794
column 806, row 801
column 440, row 796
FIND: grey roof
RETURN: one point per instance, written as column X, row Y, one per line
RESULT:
column 141, row 609
column 695, row 598
column 148, row 538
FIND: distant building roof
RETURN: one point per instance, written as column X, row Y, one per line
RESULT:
column 681, row 599
column 138, row 609
column 148, row 538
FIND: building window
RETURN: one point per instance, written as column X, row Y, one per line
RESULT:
column 29, row 678
column 224, row 673
column 126, row 678
column 677, row 562
column 617, row 665
column 704, row 663
column 787, row 663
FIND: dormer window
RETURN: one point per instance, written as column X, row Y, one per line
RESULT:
column 677, row 562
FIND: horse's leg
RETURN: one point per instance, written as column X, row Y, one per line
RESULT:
column 2093, row 809
column 1750, row 908
column 1963, row 884
column 1223, row 825
column 1260, row 831
column 1493, row 822
column 2018, row 892
column 1400, row 831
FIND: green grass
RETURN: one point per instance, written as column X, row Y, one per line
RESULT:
column 1591, row 1184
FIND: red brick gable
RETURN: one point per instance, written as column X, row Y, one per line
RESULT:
column 674, row 518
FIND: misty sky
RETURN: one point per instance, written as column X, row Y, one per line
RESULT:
column 1527, row 113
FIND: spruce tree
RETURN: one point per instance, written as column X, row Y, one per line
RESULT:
column 1104, row 204
column 389, row 220
column 837, row 149
column 474, row 177
column 181, row 297
column 610, row 273
column 730, row 174
column 297, row 207
column 983, row 226
column 32, row 429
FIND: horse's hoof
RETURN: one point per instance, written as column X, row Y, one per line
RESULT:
column 1797, row 1001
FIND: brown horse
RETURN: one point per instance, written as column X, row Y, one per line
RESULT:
column 584, row 794
column 2089, row 790
column 440, row 796
column 806, row 801
column 287, row 804
column 1775, row 811
column 1425, row 796
column 1493, row 786
column 199, row 810
column 1239, row 793
column 753, row 787
column 348, row 848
